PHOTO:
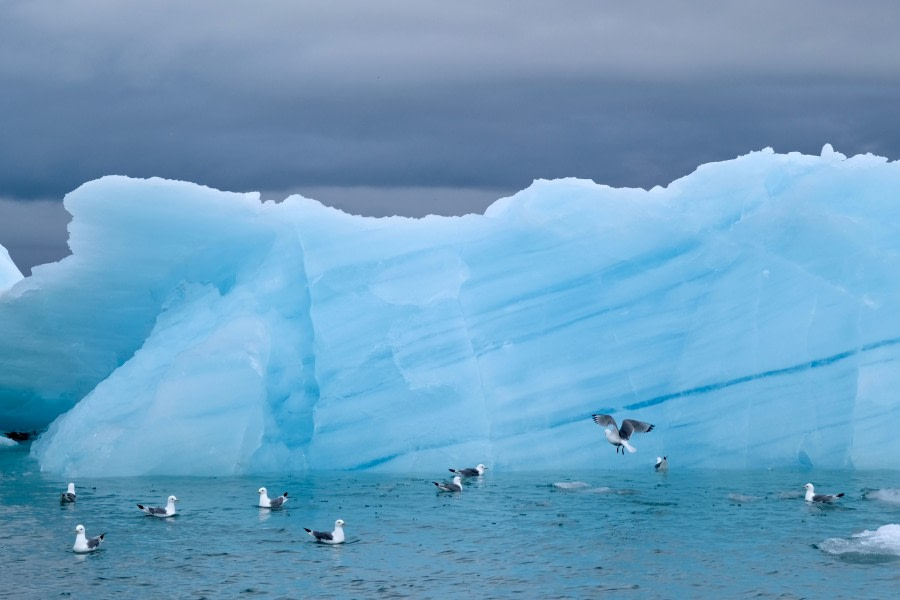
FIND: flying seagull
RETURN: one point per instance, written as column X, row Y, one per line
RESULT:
column 266, row 502
column 83, row 544
column 474, row 472
column 168, row 511
column 68, row 495
column 812, row 496
column 333, row 537
column 456, row 486
column 620, row 438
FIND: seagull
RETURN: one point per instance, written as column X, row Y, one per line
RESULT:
column 68, row 495
column 620, row 438
column 456, row 486
column 662, row 463
column 83, row 544
column 476, row 472
column 266, row 502
column 168, row 511
column 812, row 496
column 326, row 537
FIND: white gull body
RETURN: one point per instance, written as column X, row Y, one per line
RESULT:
column 68, row 495
column 456, row 486
column 477, row 471
column 266, row 502
column 334, row 537
column 812, row 496
column 157, row 511
column 84, row 544
column 619, row 436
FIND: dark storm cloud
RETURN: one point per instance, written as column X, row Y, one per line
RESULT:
column 477, row 96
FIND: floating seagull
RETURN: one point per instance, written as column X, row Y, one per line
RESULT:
column 812, row 496
column 476, row 472
column 266, row 502
column 620, row 438
column 83, row 544
column 68, row 495
column 456, row 486
column 334, row 537
column 168, row 511
column 662, row 463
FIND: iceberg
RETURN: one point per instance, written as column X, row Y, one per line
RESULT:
column 9, row 272
column 747, row 310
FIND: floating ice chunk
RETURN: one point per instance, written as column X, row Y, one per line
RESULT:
column 884, row 541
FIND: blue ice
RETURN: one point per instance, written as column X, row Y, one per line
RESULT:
column 748, row 310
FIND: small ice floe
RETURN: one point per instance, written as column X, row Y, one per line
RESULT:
column 473, row 472
column 662, row 464
column 68, row 495
column 333, row 537
column 742, row 498
column 158, row 511
column 812, row 496
column 571, row 485
column 891, row 495
column 266, row 502
column 583, row 487
column 880, row 545
column 456, row 486
column 83, row 543
column 619, row 436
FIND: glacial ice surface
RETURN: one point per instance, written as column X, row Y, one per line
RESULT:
column 749, row 310
column 9, row 272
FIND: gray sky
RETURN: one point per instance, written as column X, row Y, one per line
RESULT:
column 418, row 107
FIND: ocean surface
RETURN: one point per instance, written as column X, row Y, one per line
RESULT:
column 598, row 533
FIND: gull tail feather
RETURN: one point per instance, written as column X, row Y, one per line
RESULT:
column 629, row 447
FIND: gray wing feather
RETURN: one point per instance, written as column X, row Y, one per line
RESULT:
column 604, row 420
column 630, row 426
column 94, row 542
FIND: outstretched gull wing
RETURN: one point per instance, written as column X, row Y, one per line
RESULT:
column 630, row 426
column 604, row 420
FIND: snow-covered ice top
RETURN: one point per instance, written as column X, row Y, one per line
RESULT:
column 747, row 310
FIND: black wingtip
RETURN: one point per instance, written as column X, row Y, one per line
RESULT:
column 285, row 494
column 649, row 429
column 307, row 530
column 102, row 535
column 452, row 470
column 140, row 506
column 841, row 495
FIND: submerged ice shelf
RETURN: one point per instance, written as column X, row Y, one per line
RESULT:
column 748, row 310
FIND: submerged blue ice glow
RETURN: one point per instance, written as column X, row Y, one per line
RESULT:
column 748, row 310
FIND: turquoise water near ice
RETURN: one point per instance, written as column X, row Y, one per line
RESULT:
column 686, row 534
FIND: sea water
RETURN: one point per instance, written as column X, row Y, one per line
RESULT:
column 597, row 533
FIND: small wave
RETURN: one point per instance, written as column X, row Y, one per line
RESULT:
column 891, row 495
column 884, row 542
column 571, row 485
